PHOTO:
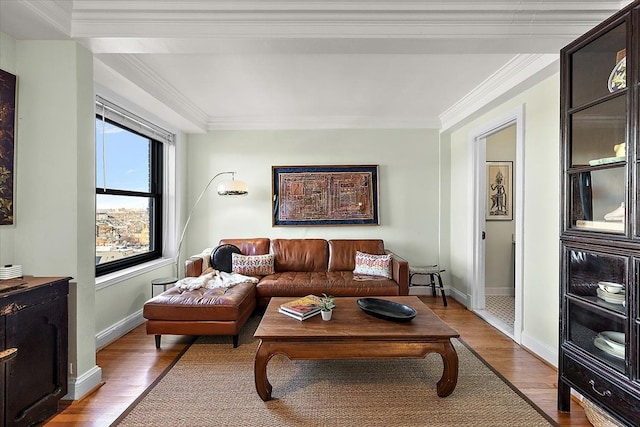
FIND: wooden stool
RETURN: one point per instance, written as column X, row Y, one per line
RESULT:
column 433, row 271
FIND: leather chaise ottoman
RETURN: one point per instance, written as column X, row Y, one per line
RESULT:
column 220, row 311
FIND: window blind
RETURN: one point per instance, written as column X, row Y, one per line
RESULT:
column 127, row 119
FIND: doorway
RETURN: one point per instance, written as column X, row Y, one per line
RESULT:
column 496, row 247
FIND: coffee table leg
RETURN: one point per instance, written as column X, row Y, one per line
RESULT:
column 263, row 387
column 449, row 378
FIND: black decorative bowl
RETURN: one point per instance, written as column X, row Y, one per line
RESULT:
column 387, row 310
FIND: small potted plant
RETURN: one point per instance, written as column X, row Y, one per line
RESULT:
column 326, row 306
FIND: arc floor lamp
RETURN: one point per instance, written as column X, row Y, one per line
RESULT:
column 225, row 188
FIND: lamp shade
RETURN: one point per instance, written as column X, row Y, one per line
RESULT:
column 232, row 188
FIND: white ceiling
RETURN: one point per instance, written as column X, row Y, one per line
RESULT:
column 244, row 64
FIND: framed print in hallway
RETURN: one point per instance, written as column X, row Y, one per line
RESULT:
column 499, row 191
column 325, row 195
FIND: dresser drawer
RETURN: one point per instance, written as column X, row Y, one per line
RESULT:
column 605, row 392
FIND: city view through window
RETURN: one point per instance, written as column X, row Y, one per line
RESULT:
column 121, row 232
column 124, row 209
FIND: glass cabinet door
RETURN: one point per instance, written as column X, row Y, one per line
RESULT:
column 599, row 334
column 596, row 305
column 598, row 279
column 599, row 68
column 597, row 200
column 597, row 135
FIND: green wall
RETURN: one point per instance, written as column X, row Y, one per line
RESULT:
column 409, row 184
column 54, row 201
column 54, row 232
column 541, row 215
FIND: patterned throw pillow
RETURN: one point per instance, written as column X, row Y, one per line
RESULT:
column 373, row 265
column 252, row 265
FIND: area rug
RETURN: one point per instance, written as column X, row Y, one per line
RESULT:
column 212, row 384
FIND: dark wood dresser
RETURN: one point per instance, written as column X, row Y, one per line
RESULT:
column 33, row 321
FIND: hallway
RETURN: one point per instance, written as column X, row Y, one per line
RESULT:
column 499, row 312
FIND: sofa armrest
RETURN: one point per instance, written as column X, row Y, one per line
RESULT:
column 193, row 267
column 400, row 271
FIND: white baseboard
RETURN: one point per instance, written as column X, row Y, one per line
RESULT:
column 462, row 298
column 80, row 386
column 500, row 291
column 77, row 387
column 117, row 330
column 425, row 290
column 496, row 322
column 545, row 352
column 542, row 350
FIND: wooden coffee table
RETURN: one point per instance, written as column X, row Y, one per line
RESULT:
column 353, row 334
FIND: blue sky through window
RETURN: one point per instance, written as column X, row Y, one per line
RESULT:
column 127, row 165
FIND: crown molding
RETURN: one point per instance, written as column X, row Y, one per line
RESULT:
column 167, row 26
column 57, row 13
column 323, row 19
column 340, row 5
column 512, row 74
column 515, row 72
column 319, row 122
column 148, row 80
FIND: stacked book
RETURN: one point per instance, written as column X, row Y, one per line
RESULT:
column 301, row 308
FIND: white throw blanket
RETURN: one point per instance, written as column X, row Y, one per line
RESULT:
column 214, row 279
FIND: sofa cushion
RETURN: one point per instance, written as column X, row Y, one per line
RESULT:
column 221, row 257
column 337, row 283
column 252, row 265
column 309, row 255
column 223, row 304
column 373, row 265
column 342, row 252
column 257, row 246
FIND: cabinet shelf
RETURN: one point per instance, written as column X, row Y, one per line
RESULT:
column 588, row 350
column 600, row 306
column 598, row 101
column 604, row 226
column 619, row 163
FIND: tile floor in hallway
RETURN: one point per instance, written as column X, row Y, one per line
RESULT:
column 502, row 307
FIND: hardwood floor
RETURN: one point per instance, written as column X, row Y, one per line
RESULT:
column 132, row 363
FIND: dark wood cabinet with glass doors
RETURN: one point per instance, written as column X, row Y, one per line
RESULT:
column 600, row 217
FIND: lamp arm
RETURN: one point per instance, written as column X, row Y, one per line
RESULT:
column 186, row 224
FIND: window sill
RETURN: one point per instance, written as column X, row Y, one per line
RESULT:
column 129, row 273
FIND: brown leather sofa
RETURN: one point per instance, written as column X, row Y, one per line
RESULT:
column 302, row 267
column 316, row 266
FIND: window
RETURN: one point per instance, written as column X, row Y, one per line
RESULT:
column 129, row 165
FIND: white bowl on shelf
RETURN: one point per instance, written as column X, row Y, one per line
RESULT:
column 611, row 287
column 614, row 339
column 611, row 298
column 604, row 345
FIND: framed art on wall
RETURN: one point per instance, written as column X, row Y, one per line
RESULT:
column 325, row 195
column 499, row 191
column 7, row 146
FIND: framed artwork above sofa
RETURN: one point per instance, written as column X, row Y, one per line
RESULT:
column 325, row 195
